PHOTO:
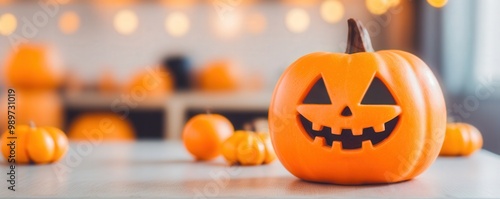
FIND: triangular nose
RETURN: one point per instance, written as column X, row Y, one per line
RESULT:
column 346, row 112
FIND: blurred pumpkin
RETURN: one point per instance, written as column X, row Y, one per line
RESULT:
column 220, row 75
column 107, row 83
column 33, row 66
column 153, row 82
column 248, row 148
column 40, row 106
column 461, row 139
column 38, row 145
column 204, row 133
column 101, row 126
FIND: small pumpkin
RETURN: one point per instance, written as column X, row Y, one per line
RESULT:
column 152, row 82
column 203, row 135
column 362, row 117
column 33, row 66
column 33, row 144
column 461, row 139
column 248, row 148
column 101, row 126
column 107, row 83
column 220, row 75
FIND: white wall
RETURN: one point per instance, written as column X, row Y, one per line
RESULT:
column 97, row 45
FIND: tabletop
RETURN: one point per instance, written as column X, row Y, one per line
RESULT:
column 164, row 169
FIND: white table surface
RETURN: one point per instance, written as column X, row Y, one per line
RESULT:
column 163, row 169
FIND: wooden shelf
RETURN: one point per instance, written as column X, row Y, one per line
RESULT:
column 175, row 105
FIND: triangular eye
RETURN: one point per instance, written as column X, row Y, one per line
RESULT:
column 378, row 93
column 318, row 94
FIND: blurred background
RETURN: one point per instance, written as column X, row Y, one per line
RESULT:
column 148, row 66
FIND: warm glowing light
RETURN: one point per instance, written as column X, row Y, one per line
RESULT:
column 62, row 2
column 125, row 22
column 437, row 3
column 8, row 24
column 297, row 20
column 178, row 3
column 229, row 25
column 378, row 7
column 394, row 3
column 256, row 23
column 177, row 24
column 332, row 11
column 4, row 2
column 69, row 22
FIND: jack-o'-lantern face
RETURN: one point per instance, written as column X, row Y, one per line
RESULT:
column 367, row 115
column 357, row 118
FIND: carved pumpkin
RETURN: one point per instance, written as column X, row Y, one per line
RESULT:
column 37, row 145
column 101, row 126
column 203, row 135
column 220, row 75
column 33, row 66
column 461, row 139
column 379, row 116
column 248, row 148
column 40, row 106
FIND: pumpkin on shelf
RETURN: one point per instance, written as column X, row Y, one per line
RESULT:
column 33, row 66
column 461, row 139
column 41, row 106
column 39, row 145
column 203, row 135
column 248, row 148
column 220, row 76
column 101, row 126
column 355, row 118
column 107, row 83
column 153, row 82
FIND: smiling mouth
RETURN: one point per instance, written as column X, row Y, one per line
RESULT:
column 346, row 138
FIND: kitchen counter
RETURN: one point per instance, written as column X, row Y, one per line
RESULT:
column 161, row 169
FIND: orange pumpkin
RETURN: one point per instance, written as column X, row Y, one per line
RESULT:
column 204, row 133
column 151, row 82
column 42, row 107
column 33, row 66
column 248, row 148
column 220, row 75
column 461, row 139
column 107, row 83
column 357, row 118
column 37, row 145
column 101, row 126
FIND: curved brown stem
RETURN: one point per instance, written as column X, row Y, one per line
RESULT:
column 358, row 39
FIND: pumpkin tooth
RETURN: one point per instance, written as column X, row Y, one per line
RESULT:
column 320, row 141
column 379, row 128
column 336, row 146
column 367, row 144
column 317, row 127
column 357, row 131
column 336, row 131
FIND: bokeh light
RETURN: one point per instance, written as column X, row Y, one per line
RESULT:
column 69, row 22
column 177, row 24
column 437, row 3
column 228, row 26
column 256, row 23
column 62, row 2
column 125, row 22
column 332, row 11
column 297, row 20
column 378, row 7
column 394, row 3
column 8, row 24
